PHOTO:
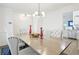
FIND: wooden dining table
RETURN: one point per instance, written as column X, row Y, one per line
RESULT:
column 47, row 46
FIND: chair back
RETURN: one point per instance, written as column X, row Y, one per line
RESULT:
column 13, row 45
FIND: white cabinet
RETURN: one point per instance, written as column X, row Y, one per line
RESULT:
column 77, row 35
column 72, row 34
column 76, row 22
column 69, row 34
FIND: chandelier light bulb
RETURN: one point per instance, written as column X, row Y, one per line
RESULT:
column 43, row 13
column 28, row 15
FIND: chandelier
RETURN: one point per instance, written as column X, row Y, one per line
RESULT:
column 39, row 12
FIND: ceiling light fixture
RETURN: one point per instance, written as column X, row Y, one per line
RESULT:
column 39, row 12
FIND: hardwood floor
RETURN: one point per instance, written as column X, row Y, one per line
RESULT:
column 73, row 48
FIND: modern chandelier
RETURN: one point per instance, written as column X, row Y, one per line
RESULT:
column 39, row 12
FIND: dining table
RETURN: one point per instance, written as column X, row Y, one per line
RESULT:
column 49, row 46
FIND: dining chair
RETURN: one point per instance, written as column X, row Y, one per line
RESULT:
column 15, row 45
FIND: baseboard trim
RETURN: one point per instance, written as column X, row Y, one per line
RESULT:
column 72, row 38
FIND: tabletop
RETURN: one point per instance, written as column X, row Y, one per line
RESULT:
column 49, row 46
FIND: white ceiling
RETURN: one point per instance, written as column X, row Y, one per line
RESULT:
column 32, row 7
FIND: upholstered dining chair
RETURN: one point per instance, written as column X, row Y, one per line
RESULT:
column 19, row 47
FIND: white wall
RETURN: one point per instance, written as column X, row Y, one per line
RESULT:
column 21, row 23
column 2, row 28
column 8, row 16
column 54, row 20
column 6, row 29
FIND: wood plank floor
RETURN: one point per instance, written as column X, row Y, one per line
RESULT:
column 73, row 48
